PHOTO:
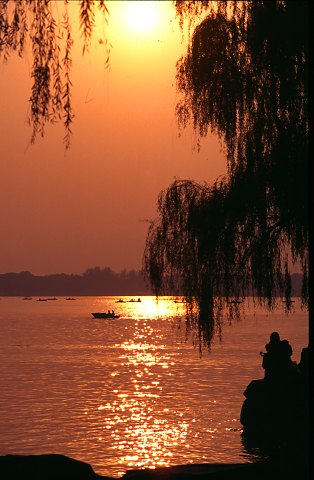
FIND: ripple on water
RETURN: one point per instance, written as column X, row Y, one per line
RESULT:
column 129, row 393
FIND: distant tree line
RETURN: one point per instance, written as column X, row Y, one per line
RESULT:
column 94, row 281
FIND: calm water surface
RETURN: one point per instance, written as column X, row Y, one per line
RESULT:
column 131, row 392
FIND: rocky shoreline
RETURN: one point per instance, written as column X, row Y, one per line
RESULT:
column 58, row 467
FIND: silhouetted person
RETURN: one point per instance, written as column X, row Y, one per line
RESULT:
column 274, row 341
column 271, row 358
column 277, row 360
column 277, row 404
column 285, row 352
column 303, row 365
column 303, row 368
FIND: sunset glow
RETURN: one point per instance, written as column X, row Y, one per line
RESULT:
column 154, row 272
column 141, row 16
column 124, row 134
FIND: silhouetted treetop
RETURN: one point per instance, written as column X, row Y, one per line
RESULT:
column 245, row 77
column 48, row 31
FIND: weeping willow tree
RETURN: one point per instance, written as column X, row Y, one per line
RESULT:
column 45, row 25
column 244, row 77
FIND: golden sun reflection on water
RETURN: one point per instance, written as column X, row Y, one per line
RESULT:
column 148, row 307
column 163, row 307
column 149, row 435
column 131, row 392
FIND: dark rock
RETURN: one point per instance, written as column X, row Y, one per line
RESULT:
column 278, row 403
column 45, row 467
column 59, row 467
column 265, row 470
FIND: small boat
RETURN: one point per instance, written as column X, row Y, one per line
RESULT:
column 104, row 315
column 70, row 298
column 41, row 300
column 27, row 298
column 133, row 300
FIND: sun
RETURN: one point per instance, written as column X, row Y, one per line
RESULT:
column 141, row 16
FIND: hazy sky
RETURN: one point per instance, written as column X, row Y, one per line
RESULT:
column 68, row 212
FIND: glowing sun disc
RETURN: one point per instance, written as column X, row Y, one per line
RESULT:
column 141, row 16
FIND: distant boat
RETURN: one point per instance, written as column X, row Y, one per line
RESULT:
column 70, row 298
column 27, row 298
column 42, row 300
column 104, row 315
column 128, row 301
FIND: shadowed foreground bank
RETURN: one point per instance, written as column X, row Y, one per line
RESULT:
column 48, row 467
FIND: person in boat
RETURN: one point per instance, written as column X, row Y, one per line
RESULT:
column 112, row 312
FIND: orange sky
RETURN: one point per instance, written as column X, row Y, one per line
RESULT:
column 68, row 212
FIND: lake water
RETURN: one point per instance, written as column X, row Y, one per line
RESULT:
column 131, row 392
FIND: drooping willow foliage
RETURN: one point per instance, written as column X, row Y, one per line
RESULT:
column 46, row 26
column 244, row 77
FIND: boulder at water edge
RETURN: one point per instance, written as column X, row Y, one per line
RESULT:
column 45, row 467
